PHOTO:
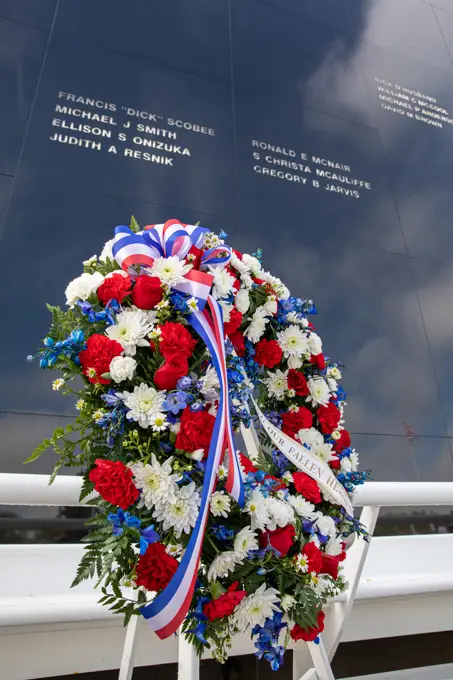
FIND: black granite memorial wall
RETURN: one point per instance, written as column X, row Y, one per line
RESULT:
column 318, row 130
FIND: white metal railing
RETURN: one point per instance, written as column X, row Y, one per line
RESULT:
column 26, row 489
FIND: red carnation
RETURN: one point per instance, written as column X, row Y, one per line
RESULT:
column 328, row 417
column 238, row 341
column 96, row 358
column 147, row 292
column 196, row 255
column 281, row 539
column 319, row 361
column 297, row 382
column 309, row 634
column 167, row 375
column 195, row 431
column 344, row 442
column 225, row 604
column 335, row 464
column 293, row 421
column 235, row 321
column 330, row 564
column 247, row 463
column 268, row 353
column 314, row 556
column 307, row 487
column 113, row 482
column 176, row 339
column 155, row 568
column 115, row 287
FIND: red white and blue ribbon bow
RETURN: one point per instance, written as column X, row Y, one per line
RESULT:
column 166, row 613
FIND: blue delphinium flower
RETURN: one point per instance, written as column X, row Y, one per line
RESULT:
column 267, row 642
column 70, row 348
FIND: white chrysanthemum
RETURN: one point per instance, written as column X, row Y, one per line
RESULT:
column 294, row 317
column 270, row 306
column 324, row 452
column 143, row 403
column 223, row 283
column 335, row 545
column 303, row 507
column 58, row 384
column 170, row 270
column 354, row 460
column 332, row 384
column 288, row 602
column 277, row 383
column 252, row 264
column 226, row 310
column 181, row 514
column 310, row 436
column 82, row 287
column 281, row 291
column 319, row 391
column 292, row 341
column 280, row 513
column 257, row 325
column 254, row 609
column 239, row 265
column 295, row 362
column 220, row 504
column 131, row 328
column 156, row 481
column 122, row 368
column 242, row 300
column 314, row 344
column 326, row 525
column 257, row 510
column 159, row 422
column 221, row 565
column 209, row 382
column 107, row 251
column 244, row 542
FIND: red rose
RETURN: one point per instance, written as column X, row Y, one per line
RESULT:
column 147, row 292
column 309, row 634
column 330, row 565
column 238, row 341
column 176, row 339
column 113, row 482
column 293, row 421
column 319, row 361
column 344, row 442
column 235, row 321
column 328, row 417
column 225, row 604
column 155, row 568
column 297, row 382
column 96, row 358
column 307, row 487
column 195, row 431
column 247, row 463
column 167, row 375
column 268, row 353
column 314, row 556
column 281, row 539
column 115, row 287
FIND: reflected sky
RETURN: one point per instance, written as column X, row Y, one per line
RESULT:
column 296, row 74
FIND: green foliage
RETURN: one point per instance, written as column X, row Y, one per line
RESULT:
column 134, row 225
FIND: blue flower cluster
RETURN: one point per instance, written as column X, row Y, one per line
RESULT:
column 70, row 348
column 267, row 643
column 113, row 420
column 108, row 314
column 121, row 519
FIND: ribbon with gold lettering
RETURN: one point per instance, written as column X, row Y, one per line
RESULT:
column 303, row 459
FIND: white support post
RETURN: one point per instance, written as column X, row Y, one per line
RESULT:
column 339, row 611
column 321, row 660
column 127, row 659
column 188, row 661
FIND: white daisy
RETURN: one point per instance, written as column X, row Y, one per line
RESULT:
column 280, row 513
column 223, row 283
column 221, row 565
column 257, row 510
column 174, row 549
column 130, row 330
column 222, row 472
column 143, row 403
column 182, row 513
column 220, row 504
column 293, row 341
column 98, row 415
column 242, row 300
column 319, row 391
column 303, row 507
column 301, row 563
column 277, row 383
column 159, row 422
column 80, row 404
column 257, row 325
column 58, row 384
column 170, row 270
column 82, row 287
column 192, row 304
column 314, row 344
column 156, row 481
column 256, row 608
column 245, row 542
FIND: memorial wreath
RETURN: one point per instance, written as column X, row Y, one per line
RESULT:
column 171, row 343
